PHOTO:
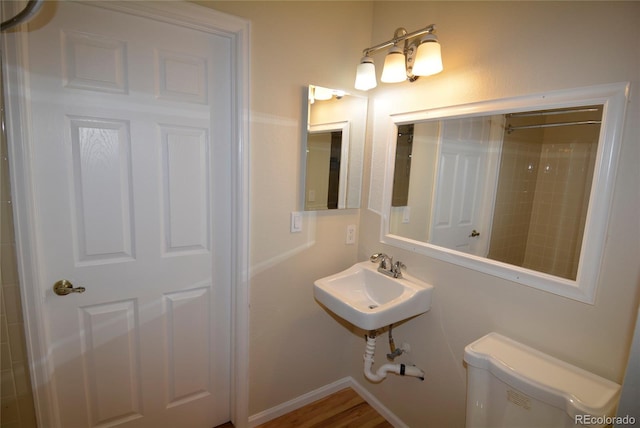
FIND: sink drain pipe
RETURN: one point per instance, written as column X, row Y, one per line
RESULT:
column 381, row 373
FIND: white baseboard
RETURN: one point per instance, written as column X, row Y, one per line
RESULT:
column 324, row 391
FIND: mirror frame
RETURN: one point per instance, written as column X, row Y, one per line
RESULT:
column 614, row 99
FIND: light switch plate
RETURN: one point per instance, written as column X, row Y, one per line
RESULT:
column 296, row 222
column 406, row 214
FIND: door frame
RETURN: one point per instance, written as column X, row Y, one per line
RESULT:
column 19, row 138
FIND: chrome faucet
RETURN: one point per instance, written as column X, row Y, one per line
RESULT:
column 387, row 266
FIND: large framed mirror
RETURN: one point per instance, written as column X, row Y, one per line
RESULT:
column 518, row 188
column 333, row 141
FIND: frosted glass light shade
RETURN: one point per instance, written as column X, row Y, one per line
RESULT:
column 395, row 69
column 322, row 94
column 366, row 75
column 428, row 59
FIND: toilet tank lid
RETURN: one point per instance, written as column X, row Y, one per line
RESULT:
column 543, row 377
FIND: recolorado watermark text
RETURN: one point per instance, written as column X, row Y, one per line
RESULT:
column 604, row 420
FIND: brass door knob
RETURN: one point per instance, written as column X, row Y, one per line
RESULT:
column 64, row 287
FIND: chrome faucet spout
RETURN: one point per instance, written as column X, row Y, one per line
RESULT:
column 387, row 266
column 386, row 261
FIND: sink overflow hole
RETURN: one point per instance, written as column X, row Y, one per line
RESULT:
column 373, row 306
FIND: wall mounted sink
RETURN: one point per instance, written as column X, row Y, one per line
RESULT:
column 369, row 299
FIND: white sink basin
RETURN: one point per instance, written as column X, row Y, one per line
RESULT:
column 369, row 299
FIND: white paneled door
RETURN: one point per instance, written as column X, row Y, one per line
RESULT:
column 130, row 122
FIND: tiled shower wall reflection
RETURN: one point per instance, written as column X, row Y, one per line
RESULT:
column 560, row 207
column 15, row 389
column 542, row 198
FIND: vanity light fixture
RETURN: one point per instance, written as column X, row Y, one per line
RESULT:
column 411, row 55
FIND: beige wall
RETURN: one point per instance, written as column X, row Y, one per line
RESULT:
column 295, row 346
column 490, row 50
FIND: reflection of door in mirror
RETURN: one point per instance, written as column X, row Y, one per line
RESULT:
column 464, row 191
column 546, row 171
column 322, row 187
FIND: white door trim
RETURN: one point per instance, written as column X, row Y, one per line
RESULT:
column 237, row 30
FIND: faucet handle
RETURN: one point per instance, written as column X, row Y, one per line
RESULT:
column 397, row 268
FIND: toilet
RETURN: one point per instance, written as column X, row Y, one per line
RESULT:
column 512, row 385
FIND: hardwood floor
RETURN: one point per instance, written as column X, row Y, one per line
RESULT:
column 344, row 408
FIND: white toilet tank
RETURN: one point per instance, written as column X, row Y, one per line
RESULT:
column 512, row 385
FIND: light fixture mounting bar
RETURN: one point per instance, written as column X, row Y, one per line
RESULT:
column 397, row 39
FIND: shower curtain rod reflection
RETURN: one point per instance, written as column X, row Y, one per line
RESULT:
column 552, row 112
column 29, row 10
column 510, row 128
